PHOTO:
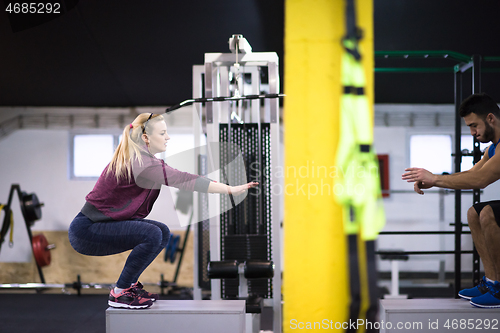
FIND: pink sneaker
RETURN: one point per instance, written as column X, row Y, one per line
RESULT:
column 128, row 299
column 139, row 289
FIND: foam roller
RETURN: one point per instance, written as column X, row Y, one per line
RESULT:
column 227, row 269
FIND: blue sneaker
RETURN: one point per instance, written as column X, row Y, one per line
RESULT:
column 489, row 300
column 482, row 288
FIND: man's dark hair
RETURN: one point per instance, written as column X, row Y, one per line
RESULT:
column 480, row 104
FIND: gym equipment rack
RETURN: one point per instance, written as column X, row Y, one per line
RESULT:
column 465, row 62
column 244, row 128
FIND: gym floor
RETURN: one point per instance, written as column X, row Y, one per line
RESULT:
column 53, row 313
column 61, row 313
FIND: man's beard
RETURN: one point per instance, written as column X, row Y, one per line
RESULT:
column 489, row 133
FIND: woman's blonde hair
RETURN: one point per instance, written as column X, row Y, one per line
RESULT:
column 130, row 145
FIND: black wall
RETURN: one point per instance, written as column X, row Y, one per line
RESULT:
column 131, row 53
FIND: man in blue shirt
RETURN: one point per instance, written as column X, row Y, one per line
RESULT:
column 482, row 115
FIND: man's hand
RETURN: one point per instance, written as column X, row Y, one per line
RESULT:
column 418, row 186
column 422, row 178
column 237, row 190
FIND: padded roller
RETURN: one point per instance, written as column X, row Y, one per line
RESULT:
column 256, row 269
column 227, row 269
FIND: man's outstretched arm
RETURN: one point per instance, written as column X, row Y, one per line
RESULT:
column 481, row 175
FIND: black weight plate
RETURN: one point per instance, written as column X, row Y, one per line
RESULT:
column 30, row 207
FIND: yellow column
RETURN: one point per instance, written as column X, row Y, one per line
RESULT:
column 316, row 293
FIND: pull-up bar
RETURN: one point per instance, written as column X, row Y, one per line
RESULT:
column 221, row 99
column 423, row 54
column 464, row 65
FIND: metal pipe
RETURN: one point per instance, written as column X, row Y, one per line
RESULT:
column 445, row 191
column 413, row 69
column 476, row 197
column 420, row 232
column 458, row 193
column 463, row 67
column 183, row 246
column 418, row 252
column 423, row 54
column 491, row 58
column 260, row 198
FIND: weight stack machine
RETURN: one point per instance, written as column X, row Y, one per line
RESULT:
column 245, row 137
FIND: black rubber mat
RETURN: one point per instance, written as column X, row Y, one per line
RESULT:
column 59, row 313
column 53, row 313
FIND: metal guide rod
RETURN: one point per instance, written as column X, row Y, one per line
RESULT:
column 228, row 164
column 259, row 161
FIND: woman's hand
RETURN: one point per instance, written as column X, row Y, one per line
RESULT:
column 237, row 190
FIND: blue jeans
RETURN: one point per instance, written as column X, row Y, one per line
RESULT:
column 146, row 239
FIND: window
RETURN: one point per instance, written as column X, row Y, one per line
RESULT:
column 431, row 152
column 90, row 153
column 180, row 151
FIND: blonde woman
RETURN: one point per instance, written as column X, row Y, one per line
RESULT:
column 113, row 217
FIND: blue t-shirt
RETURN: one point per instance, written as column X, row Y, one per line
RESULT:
column 491, row 150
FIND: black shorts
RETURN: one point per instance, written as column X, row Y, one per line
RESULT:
column 495, row 205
